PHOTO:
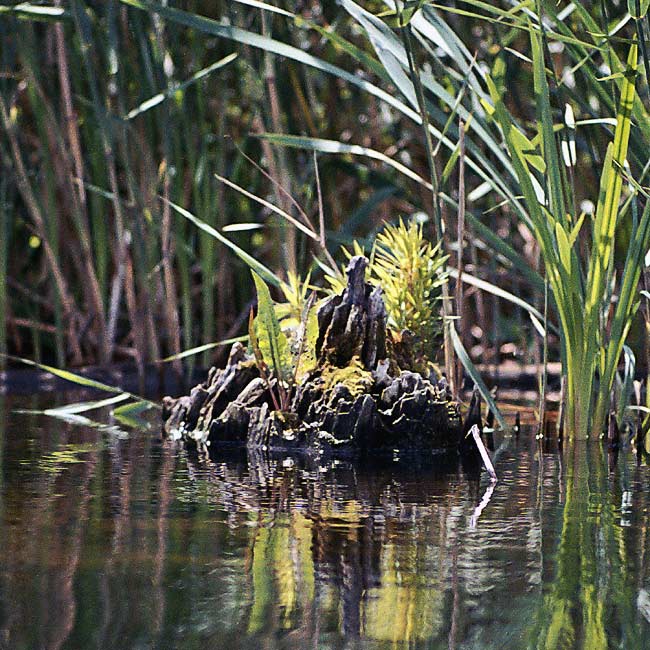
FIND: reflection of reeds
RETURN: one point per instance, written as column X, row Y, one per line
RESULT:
column 50, row 617
column 592, row 595
column 139, row 543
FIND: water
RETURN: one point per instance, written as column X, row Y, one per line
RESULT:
column 110, row 540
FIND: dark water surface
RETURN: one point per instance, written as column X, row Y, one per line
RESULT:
column 114, row 539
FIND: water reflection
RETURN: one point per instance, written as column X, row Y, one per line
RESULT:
column 600, row 563
column 110, row 542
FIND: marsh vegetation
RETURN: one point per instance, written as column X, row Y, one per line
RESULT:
column 179, row 177
column 152, row 152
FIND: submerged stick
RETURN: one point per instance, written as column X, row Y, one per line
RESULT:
column 485, row 455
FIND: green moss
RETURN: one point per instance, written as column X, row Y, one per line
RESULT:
column 353, row 376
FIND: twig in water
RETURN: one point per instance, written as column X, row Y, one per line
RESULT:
column 476, row 434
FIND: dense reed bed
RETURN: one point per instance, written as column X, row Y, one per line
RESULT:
column 516, row 132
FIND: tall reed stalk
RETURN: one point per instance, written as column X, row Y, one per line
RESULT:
column 593, row 329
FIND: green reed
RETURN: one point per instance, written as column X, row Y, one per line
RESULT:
column 593, row 328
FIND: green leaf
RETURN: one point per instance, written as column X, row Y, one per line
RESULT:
column 273, row 343
column 67, row 375
column 564, row 247
column 202, row 348
column 575, row 231
column 128, row 414
column 252, row 263
column 638, row 8
column 305, row 360
column 529, row 150
column 449, row 166
column 333, row 146
column 257, row 4
column 172, row 90
column 255, row 346
column 546, row 132
column 604, row 231
column 82, row 407
column 611, row 188
column 36, row 12
column 475, row 375
column 79, row 380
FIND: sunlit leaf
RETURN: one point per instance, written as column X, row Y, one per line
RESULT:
column 273, row 343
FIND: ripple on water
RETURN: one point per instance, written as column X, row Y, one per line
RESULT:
column 132, row 542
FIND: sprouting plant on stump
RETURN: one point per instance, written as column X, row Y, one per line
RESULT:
column 271, row 347
column 296, row 294
column 282, row 361
column 410, row 271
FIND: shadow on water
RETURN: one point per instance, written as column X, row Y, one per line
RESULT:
column 125, row 541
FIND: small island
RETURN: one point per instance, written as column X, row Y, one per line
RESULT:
column 366, row 389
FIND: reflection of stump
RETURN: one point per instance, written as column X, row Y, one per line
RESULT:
column 356, row 398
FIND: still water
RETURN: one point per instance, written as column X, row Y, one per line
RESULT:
column 112, row 538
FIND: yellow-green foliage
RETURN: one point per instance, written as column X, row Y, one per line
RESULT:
column 270, row 341
column 410, row 271
column 336, row 279
column 304, row 341
column 296, row 291
column 353, row 376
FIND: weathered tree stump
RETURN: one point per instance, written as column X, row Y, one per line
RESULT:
column 356, row 399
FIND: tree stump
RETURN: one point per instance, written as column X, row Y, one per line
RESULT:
column 357, row 398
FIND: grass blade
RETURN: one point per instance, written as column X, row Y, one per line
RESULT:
column 475, row 376
column 203, row 348
column 249, row 260
column 83, row 407
column 172, row 90
column 36, row 12
column 335, row 147
column 80, row 380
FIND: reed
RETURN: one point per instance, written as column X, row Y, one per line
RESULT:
column 4, row 248
column 416, row 107
column 593, row 327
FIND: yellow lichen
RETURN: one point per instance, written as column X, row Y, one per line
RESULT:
column 354, row 377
